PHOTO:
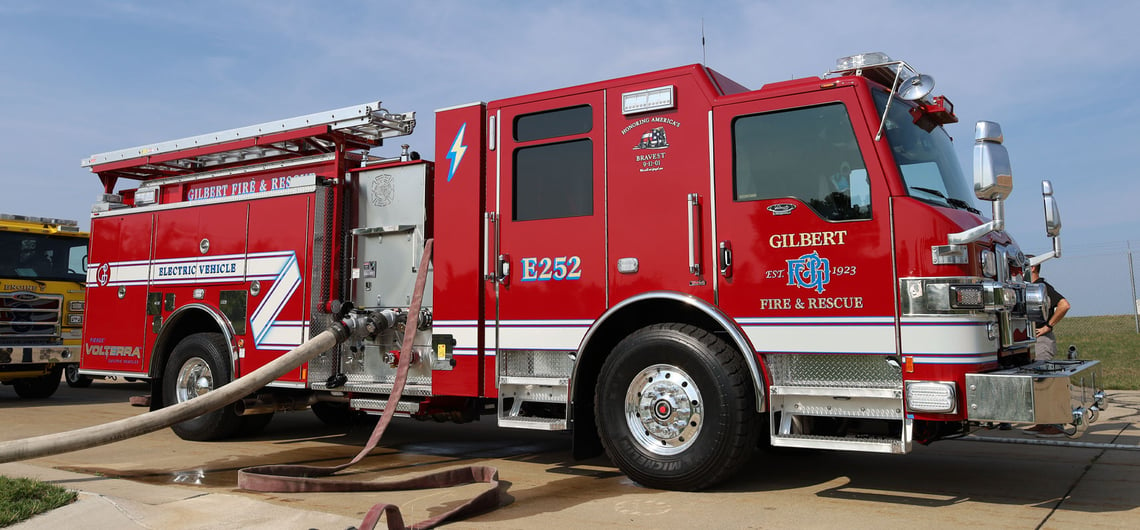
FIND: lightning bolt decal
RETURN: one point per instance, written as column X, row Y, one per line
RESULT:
column 455, row 154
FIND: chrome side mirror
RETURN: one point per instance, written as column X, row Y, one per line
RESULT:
column 1052, row 212
column 1052, row 224
column 993, row 180
column 993, row 175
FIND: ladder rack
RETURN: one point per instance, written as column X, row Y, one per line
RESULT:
column 358, row 127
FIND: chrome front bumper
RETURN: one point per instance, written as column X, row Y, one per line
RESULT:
column 38, row 354
column 1045, row 392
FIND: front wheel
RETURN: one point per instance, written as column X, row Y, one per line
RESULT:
column 675, row 408
column 200, row 364
column 74, row 378
column 38, row 387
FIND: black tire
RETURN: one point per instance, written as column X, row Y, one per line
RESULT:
column 200, row 363
column 38, row 387
column 74, row 378
column 691, row 418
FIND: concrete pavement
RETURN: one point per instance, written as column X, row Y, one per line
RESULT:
column 1103, row 490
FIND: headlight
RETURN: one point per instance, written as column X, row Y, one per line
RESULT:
column 931, row 396
column 75, row 319
column 75, row 305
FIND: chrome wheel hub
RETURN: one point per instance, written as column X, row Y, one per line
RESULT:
column 663, row 409
column 194, row 379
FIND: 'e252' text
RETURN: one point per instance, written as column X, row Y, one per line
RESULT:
column 557, row 269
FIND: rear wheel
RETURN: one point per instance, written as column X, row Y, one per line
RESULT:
column 74, row 378
column 675, row 408
column 198, row 365
column 38, row 387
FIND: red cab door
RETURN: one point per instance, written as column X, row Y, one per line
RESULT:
column 550, row 172
column 803, row 219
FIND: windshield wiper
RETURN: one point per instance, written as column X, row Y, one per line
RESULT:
column 957, row 203
column 931, row 191
column 963, row 205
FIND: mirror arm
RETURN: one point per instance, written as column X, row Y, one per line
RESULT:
column 977, row 232
column 1055, row 253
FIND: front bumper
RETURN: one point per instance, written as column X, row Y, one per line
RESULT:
column 38, row 354
column 1045, row 392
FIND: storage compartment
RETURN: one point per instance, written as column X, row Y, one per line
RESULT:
column 1045, row 392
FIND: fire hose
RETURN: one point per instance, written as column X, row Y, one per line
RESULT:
column 290, row 478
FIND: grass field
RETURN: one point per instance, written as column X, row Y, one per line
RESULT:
column 1110, row 339
column 21, row 498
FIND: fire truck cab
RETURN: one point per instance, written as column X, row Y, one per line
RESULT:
column 669, row 264
column 42, row 269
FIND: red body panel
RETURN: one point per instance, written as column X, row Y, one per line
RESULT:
column 113, row 339
column 458, row 253
column 648, row 190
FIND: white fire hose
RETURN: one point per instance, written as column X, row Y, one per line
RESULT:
column 286, row 477
column 52, row 444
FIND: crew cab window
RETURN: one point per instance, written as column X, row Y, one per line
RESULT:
column 553, row 123
column 808, row 154
column 554, row 179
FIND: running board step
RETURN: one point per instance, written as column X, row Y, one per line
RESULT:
column 534, row 389
column 539, row 424
column 378, row 405
column 863, row 445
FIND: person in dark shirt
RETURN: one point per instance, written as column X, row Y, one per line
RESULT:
column 1046, row 341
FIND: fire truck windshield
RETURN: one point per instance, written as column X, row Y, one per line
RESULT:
column 43, row 257
column 926, row 160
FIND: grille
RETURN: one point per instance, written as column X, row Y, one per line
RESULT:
column 29, row 318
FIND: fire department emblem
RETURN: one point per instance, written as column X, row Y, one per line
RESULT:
column 809, row 272
column 103, row 274
column 383, row 190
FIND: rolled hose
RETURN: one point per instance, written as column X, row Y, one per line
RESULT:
column 65, row 442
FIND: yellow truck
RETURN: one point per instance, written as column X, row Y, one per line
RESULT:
column 43, row 271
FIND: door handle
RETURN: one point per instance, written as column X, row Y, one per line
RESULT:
column 488, row 223
column 693, row 202
column 726, row 259
column 503, row 269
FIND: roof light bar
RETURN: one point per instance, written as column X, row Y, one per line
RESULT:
column 862, row 60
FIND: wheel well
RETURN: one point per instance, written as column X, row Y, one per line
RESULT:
column 603, row 339
column 185, row 322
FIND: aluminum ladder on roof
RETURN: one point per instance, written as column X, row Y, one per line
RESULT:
column 367, row 125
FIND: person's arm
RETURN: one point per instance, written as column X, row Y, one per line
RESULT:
column 1055, row 318
column 1062, row 308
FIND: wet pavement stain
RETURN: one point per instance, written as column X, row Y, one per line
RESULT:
column 191, row 477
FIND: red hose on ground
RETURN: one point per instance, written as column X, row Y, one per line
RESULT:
column 297, row 478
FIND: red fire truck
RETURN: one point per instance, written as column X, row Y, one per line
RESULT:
column 672, row 266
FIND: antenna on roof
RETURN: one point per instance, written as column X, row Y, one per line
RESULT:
column 703, row 61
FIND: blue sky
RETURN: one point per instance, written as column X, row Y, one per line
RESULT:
column 79, row 78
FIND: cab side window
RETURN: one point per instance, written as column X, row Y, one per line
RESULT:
column 808, row 154
column 555, row 178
